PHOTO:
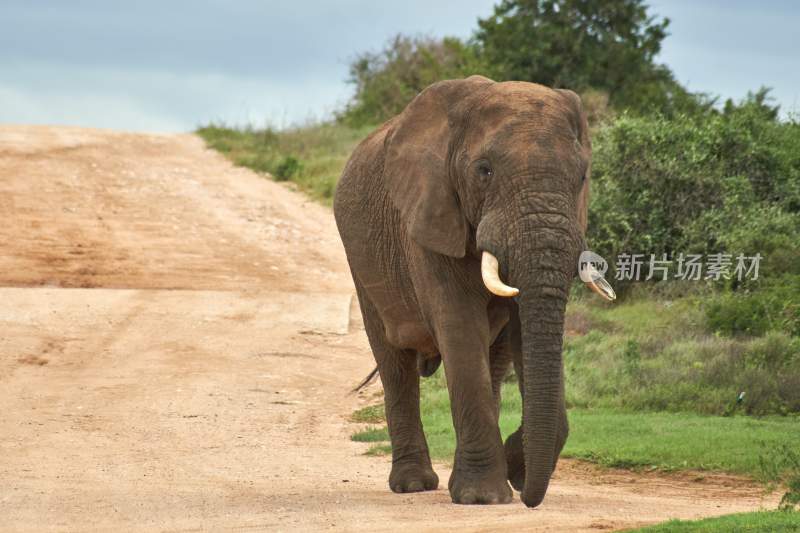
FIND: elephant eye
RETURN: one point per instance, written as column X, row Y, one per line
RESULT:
column 583, row 178
column 485, row 169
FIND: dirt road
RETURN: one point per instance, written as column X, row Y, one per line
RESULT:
column 176, row 348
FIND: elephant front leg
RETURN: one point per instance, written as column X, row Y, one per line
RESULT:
column 479, row 468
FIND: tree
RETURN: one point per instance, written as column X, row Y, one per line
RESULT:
column 386, row 81
column 608, row 45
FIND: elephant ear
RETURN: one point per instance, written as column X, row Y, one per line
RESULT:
column 581, row 127
column 416, row 171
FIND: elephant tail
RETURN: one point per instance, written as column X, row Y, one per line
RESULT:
column 366, row 381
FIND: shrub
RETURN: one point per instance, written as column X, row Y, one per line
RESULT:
column 783, row 463
column 287, row 168
column 388, row 80
column 654, row 357
column 717, row 182
column 739, row 313
column 776, row 307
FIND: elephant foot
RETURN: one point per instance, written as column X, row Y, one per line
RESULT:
column 479, row 488
column 515, row 460
column 412, row 477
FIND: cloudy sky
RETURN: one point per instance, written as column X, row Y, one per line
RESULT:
column 170, row 65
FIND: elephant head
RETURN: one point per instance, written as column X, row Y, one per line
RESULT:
column 502, row 170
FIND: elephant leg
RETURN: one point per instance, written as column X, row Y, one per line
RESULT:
column 515, row 458
column 479, row 469
column 500, row 357
column 411, row 463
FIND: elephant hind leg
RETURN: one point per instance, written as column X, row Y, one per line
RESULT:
column 501, row 355
column 411, row 463
column 427, row 365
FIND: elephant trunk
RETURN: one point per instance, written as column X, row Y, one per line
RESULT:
column 542, row 322
column 539, row 257
column 542, row 264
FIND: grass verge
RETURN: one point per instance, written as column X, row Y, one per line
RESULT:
column 311, row 156
column 658, row 354
column 772, row 521
column 679, row 441
column 664, row 441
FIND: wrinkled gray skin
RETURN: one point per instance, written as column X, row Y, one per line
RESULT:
column 470, row 165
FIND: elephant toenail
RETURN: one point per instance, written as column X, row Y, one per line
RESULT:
column 415, row 486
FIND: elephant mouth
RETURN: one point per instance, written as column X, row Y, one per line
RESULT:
column 490, row 272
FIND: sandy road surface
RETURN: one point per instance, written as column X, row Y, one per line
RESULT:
column 176, row 351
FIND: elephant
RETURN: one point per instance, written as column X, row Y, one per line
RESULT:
column 473, row 183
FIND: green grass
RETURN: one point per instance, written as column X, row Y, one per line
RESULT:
column 666, row 441
column 762, row 521
column 372, row 414
column 379, row 449
column 371, row 434
column 676, row 441
column 311, row 156
column 657, row 354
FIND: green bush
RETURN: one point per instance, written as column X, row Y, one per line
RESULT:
column 775, row 307
column 655, row 356
column 739, row 313
column 287, row 168
column 388, row 80
column 717, row 182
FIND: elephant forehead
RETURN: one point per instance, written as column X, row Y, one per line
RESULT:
column 522, row 97
column 507, row 125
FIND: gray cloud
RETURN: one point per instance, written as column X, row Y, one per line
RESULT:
column 169, row 66
column 730, row 47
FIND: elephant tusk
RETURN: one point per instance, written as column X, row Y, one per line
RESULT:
column 596, row 282
column 490, row 272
